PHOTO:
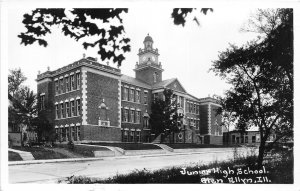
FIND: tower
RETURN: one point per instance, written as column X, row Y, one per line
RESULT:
column 148, row 69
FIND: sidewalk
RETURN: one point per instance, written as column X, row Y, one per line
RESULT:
column 115, row 157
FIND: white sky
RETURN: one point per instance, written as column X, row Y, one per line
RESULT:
column 185, row 52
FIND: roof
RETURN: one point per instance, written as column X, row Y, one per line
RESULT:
column 163, row 83
column 134, row 81
column 148, row 38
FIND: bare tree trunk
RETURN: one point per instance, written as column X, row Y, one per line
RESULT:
column 261, row 152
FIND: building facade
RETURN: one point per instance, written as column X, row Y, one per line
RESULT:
column 90, row 101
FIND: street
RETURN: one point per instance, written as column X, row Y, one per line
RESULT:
column 51, row 172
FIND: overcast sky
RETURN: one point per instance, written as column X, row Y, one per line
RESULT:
column 185, row 52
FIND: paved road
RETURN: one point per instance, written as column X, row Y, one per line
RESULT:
column 51, row 172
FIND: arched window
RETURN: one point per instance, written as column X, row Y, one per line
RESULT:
column 155, row 77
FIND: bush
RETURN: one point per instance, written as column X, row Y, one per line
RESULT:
column 280, row 171
column 12, row 156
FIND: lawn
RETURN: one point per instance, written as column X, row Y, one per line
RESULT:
column 276, row 170
column 84, row 151
column 12, row 156
column 193, row 145
column 128, row 146
column 40, row 153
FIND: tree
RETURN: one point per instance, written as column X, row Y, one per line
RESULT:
column 164, row 117
column 15, row 80
column 180, row 14
column 80, row 24
column 22, row 107
column 261, row 75
column 104, row 24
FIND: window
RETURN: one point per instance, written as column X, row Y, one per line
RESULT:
column 42, row 99
column 253, row 139
column 78, row 80
column 190, row 107
column 78, row 107
column 197, row 109
column 138, row 117
column 242, row 139
column 62, row 110
column 125, row 136
column 78, row 132
column 56, row 112
column 155, row 96
column 138, row 136
column 194, row 108
column 146, row 123
column 61, row 85
column 197, row 124
column 154, row 77
column 72, row 82
column 131, row 96
column 132, row 116
column 73, row 133
column 126, row 94
column 131, row 136
column 68, row 109
column 138, row 96
column 123, row 93
column 67, row 133
column 73, row 108
column 126, row 115
column 238, row 140
column 246, row 139
column 67, row 84
column 56, row 134
column 145, row 97
column 56, row 87
column 181, row 101
column 64, row 134
column 233, row 139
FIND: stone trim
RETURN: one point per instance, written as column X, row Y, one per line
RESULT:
column 61, row 102
column 78, row 124
column 103, row 73
column 209, row 119
column 61, row 77
column 66, row 75
column 67, row 125
column 120, row 103
column 84, row 97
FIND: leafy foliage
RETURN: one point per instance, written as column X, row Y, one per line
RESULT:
column 180, row 14
column 22, row 101
column 261, row 74
column 79, row 24
column 164, row 117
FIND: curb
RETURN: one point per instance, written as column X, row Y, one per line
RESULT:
column 13, row 163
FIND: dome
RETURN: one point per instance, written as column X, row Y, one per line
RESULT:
column 148, row 38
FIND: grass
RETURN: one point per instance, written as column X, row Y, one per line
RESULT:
column 39, row 153
column 12, row 156
column 193, row 145
column 278, row 169
column 128, row 146
column 85, row 151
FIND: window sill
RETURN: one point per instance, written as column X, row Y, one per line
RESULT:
column 67, row 92
column 68, row 117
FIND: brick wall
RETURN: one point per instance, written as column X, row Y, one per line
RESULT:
column 203, row 119
column 99, row 87
column 146, row 75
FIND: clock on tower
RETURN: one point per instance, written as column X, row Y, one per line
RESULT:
column 148, row 63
